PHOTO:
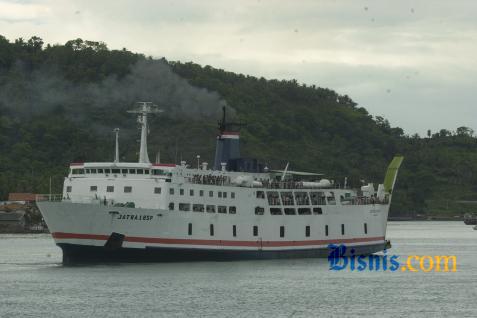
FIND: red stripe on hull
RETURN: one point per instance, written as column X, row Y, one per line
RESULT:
column 158, row 240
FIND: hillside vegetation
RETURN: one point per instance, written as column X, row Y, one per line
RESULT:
column 59, row 104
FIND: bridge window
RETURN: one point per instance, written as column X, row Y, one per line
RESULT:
column 68, row 189
column 201, row 193
column 93, row 171
column 198, row 208
column 365, row 228
column 232, row 195
column 146, row 171
column 234, row 230
column 259, row 210
column 260, row 195
column 307, row 231
column 287, row 198
column 255, row 230
column 189, row 231
column 115, row 170
column 326, row 230
column 282, row 231
column 224, row 194
column 211, row 229
column 222, row 209
column 157, row 190
column 77, row 171
column 127, row 189
column 171, row 191
column 191, row 192
column 342, row 229
column 107, row 171
column 140, row 171
column 171, row 206
column 124, row 171
column 232, row 210
column 318, row 198
column 290, row 211
column 317, row 211
column 132, row 171
column 304, row 211
column 275, row 211
column 110, row 189
column 210, row 208
column 273, row 198
column 181, row 191
column 100, row 170
column 93, row 188
column 184, row 206
column 220, row 194
column 211, row 194
column 86, row 170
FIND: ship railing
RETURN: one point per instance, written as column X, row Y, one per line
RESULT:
column 67, row 198
column 49, row 197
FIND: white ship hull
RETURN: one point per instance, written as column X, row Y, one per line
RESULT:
column 83, row 230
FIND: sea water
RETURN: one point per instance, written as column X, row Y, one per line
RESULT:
column 33, row 283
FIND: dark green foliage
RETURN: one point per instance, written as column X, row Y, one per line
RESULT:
column 314, row 128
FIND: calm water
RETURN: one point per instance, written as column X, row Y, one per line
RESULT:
column 33, row 283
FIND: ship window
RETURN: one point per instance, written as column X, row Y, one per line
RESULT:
column 307, row 231
column 198, row 208
column 100, row 170
column 171, row 191
column 201, row 193
column 275, row 211
column 74, row 171
column 127, row 189
column 68, row 189
column 260, row 195
column 115, row 170
column 224, row 194
column 184, row 206
column 317, row 211
column 93, row 170
column 365, row 228
column 211, row 194
column 140, row 171
column 255, row 230
column 282, row 231
column 132, row 171
column 124, row 171
column 326, row 230
column 302, row 198
column 157, row 190
column 191, row 192
column 80, row 171
column 189, row 231
column 259, row 210
column 210, row 208
column 290, row 211
column 287, row 198
column 107, row 171
column 110, row 189
column 342, row 229
column 181, row 191
column 146, row 171
column 232, row 210
column 220, row 194
column 331, row 198
column 171, row 206
column 222, row 209
column 93, row 188
column 234, row 230
column 273, row 198
column 304, row 211
column 87, row 170
column 211, row 229
column 317, row 198
column 232, row 195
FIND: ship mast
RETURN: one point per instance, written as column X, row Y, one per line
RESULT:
column 142, row 109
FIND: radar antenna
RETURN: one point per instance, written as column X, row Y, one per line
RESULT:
column 143, row 109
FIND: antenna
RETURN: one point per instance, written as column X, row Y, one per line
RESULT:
column 116, row 153
column 143, row 109
column 285, row 172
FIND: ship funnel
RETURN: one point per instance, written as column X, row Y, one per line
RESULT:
column 227, row 146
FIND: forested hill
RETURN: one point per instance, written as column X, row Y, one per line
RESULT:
column 59, row 104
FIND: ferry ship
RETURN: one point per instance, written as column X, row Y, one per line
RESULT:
column 238, row 209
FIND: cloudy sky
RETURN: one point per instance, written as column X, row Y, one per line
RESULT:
column 412, row 62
